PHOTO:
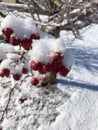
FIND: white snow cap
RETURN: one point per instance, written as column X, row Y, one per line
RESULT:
column 5, row 64
column 6, row 47
column 27, row 26
column 68, row 59
column 8, row 21
column 30, row 26
column 2, row 54
column 43, row 49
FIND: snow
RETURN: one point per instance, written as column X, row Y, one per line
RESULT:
column 2, row 54
column 68, row 59
column 6, row 47
column 46, row 49
column 5, row 64
column 14, row 22
column 74, row 103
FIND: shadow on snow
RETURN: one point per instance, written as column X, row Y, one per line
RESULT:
column 87, row 59
column 78, row 84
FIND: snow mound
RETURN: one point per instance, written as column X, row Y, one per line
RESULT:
column 42, row 107
column 15, row 23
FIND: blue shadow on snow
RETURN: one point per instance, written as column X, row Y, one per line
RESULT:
column 78, row 84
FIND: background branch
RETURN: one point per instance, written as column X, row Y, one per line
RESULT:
column 61, row 15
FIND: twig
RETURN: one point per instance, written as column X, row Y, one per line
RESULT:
column 2, row 15
column 4, row 85
column 5, row 111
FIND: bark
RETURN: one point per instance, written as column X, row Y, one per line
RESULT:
column 48, row 79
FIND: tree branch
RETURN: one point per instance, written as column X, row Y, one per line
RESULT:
column 68, row 15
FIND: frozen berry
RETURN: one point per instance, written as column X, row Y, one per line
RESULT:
column 14, row 41
column 63, row 71
column 34, row 65
column 57, row 56
column 22, row 99
column 42, row 69
column 16, row 76
column 26, row 44
column 34, row 81
column 35, row 37
column 7, row 32
column 24, row 70
column 5, row 72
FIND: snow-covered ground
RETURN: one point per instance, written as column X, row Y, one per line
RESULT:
column 74, row 103
column 80, row 112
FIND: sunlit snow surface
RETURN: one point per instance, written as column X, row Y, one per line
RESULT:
column 74, row 103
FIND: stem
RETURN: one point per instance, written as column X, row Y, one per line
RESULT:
column 52, row 78
column 48, row 79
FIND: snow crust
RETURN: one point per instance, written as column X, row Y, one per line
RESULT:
column 73, row 106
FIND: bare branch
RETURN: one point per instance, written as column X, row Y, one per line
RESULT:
column 2, row 15
column 62, row 15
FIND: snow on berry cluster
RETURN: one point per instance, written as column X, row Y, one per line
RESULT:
column 46, row 55
column 10, row 63
column 19, row 31
column 19, row 34
column 50, row 56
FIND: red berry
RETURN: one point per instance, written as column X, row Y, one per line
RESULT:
column 34, row 65
column 39, row 65
column 57, row 56
column 14, row 41
column 48, row 67
column 16, row 76
column 56, row 64
column 24, row 70
column 7, row 32
column 54, row 71
column 34, row 81
column 35, row 37
column 42, row 69
column 22, row 99
column 0, row 60
column 26, row 43
column 63, row 71
column 1, row 74
column 5, row 72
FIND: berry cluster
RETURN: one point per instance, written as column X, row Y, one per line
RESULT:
column 54, row 66
column 12, row 62
column 24, row 39
column 14, row 40
column 47, row 55
column 6, row 72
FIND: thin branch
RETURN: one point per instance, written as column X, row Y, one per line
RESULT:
column 2, row 14
column 5, row 111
